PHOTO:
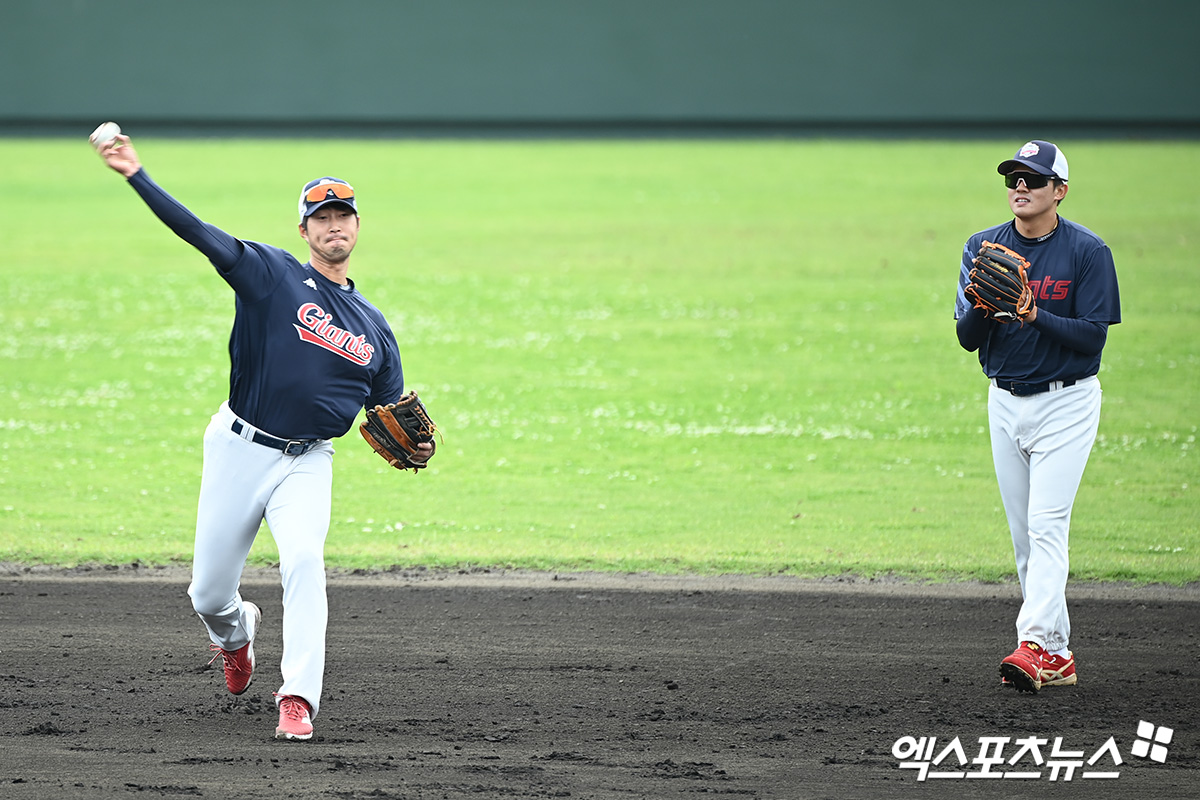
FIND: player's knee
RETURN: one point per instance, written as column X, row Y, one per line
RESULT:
column 208, row 603
column 308, row 563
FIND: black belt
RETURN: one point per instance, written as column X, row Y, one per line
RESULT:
column 290, row 447
column 1027, row 389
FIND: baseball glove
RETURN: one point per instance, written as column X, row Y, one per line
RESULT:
column 1000, row 284
column 395, row 430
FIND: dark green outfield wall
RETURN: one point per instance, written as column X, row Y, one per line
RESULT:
column 600, row 62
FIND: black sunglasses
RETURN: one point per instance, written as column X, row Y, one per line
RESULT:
column 1032, row 180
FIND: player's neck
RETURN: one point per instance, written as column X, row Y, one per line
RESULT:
column 1039, row 226
column 335, row 272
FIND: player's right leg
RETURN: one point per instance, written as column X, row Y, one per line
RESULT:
column 230, row 510
column 1011, row 462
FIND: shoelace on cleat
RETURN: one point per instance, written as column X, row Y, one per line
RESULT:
column 293, row 709
column 219, row 653
column 229, row 658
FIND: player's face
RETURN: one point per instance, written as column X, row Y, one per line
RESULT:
column 332, row 232
column 1029, row 203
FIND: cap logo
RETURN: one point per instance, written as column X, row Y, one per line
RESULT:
column 1030, row 149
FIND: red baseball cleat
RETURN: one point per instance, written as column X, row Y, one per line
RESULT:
column 239, row 664
column 295, row 718
column 1024, row 667
column 1058, row 670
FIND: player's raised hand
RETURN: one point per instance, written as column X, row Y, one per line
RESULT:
column 119, row 154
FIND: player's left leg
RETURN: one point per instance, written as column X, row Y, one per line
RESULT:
column 1066, row 430
column 298, row 516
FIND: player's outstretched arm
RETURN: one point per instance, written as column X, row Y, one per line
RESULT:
column 222, row 249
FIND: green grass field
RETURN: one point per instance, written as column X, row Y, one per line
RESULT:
column 663, row 356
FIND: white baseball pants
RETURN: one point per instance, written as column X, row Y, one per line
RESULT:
column 1040, row 447
column 244, row 483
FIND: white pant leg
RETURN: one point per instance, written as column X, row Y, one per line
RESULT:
column 234, row 487
column 1041, row 446
column 1011, row 463
column 298, row 515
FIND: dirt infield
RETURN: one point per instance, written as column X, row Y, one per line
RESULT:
column 503, row 685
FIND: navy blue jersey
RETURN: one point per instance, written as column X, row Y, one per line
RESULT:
column 306, row 354
column 1073, row 277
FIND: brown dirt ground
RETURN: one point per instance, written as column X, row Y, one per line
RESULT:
column 506, row 685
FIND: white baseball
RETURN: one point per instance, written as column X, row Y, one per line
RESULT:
column 105, row 133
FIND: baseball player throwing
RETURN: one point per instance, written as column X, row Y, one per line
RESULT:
column 1039, row 321
column 307, row 351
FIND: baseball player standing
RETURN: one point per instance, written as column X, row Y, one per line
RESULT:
column 1044, row 401
column 307, row 351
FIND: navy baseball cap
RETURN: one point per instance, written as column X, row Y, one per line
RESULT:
column 1044, row 158
column 323, row 191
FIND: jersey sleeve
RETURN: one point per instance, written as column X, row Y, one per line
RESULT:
column 961, row 303
column 258, row 271
column 222, row 249
column 1098, row 297
column 1078, row 334
column 387, row 386
column 251, row 268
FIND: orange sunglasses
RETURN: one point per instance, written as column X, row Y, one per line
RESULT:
column 319, row 192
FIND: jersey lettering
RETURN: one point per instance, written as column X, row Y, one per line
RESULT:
column 1050, row 289
column 316, row 327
